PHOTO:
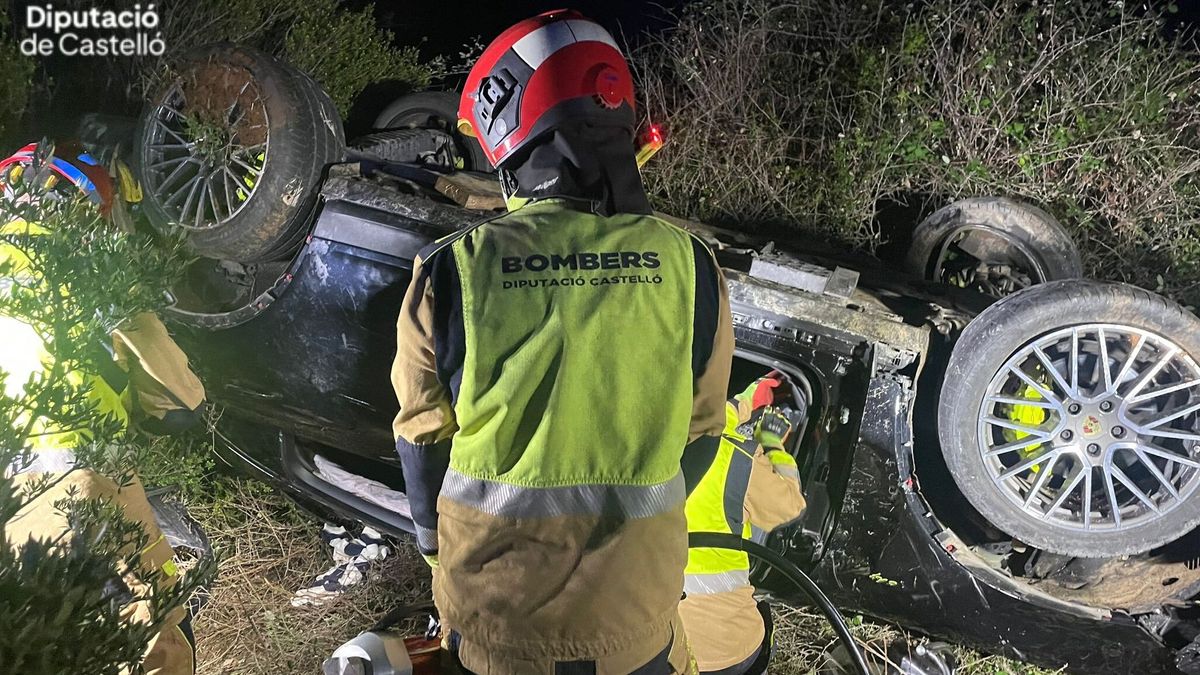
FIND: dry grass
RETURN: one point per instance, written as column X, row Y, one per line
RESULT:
column 813, row 114
column 270, row 548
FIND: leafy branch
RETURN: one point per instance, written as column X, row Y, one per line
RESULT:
column 67, row 279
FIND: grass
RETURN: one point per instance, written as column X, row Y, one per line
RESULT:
column 813, row 114
column 270, row 548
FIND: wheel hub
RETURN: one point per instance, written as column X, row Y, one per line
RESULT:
column 206, row 148
column 1093, row 427
column 1087, row 432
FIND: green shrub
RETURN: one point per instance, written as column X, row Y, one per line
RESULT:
column 185, row 463
column 15, row 79
column 60, row 607
column 813, row 113
column 340, row 47
column 345, row 51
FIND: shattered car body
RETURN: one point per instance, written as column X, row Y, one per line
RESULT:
column 297, row 353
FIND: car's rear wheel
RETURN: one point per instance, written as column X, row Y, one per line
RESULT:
column 232, row 151
column 993, row 244
column 1070, row 418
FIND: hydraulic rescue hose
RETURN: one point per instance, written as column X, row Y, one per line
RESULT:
column 794, row 574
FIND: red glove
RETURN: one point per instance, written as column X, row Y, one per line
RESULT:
column 764, row 389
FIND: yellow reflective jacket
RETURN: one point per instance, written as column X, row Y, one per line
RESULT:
column 25, row 354
column 747, row 490
column 553, row 367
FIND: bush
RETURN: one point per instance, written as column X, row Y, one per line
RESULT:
column 361, row 52
column 813, row 114
column 342, row 48
column 15, row 79
column 60, row 606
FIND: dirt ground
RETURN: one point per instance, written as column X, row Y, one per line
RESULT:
column 270, row 548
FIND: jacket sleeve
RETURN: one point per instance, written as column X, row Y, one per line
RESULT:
column 773, row 498
column 425, row 424
column 167, row 393
column 712, row 358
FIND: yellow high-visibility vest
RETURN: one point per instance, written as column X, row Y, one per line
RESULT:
column 25, row 354
column 717, row 505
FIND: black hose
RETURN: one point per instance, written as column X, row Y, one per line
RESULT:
column 794, row 574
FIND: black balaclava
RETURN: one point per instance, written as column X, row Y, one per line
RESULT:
column 582, row 160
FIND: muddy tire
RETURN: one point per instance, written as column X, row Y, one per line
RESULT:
column 1070, row 418
column 1024, row 242
column 329, row 142
column 232, row 151
column 434, row 110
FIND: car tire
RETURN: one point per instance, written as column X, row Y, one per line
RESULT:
column 329, row 143
column 287, row 130
column 1005, row 230
column 978, row 371
column 434, row 110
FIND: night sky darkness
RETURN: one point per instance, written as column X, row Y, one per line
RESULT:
column 441, row 28
column 446, row 27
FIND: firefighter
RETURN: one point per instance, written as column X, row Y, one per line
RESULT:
column 150, row 381
column 561, row 371
column 752, row 488
column 159, row 391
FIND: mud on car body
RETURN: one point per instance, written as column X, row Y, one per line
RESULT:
column 993, row 450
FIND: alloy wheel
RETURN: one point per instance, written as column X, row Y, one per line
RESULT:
column 1094, row 427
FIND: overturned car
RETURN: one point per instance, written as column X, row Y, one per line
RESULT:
column 993, row 450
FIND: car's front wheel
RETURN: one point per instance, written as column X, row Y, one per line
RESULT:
column 1070, row 418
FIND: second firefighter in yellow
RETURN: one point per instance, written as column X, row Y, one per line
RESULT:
column 753, row 486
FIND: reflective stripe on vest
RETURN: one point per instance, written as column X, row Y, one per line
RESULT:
column 716, row 582
column 426, row 538
column 505, row 500
column 574, row 325
column 737, row 482
column 787, row 471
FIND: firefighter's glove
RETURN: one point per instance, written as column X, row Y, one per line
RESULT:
column 754, row 398
column 772, row 429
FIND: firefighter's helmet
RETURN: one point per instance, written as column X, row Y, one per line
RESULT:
column 65, row 170
column 539, row 74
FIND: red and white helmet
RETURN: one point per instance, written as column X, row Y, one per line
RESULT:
column 554, row 67
column 66, row 170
